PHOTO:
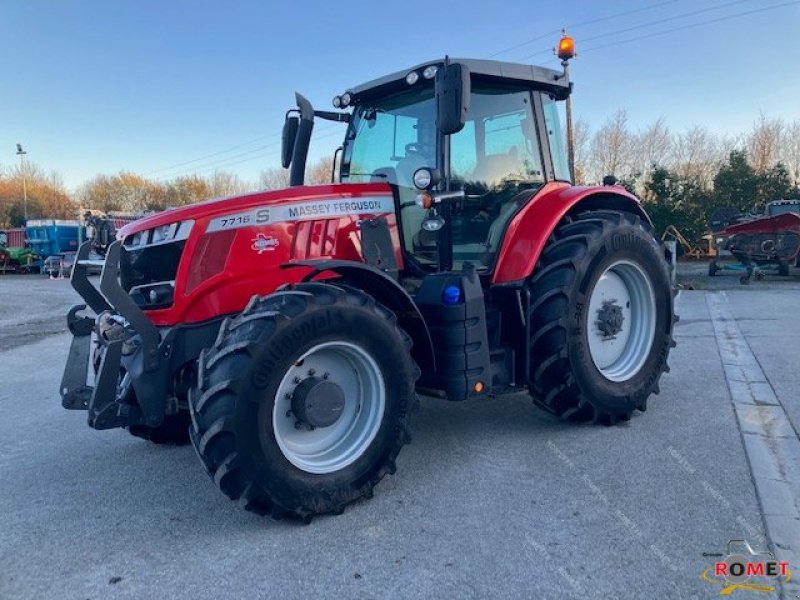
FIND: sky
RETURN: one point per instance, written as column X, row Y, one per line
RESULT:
column 174, row 88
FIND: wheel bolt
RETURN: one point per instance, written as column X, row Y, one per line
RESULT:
column 297, row 380
column 298, row 425
column 311, row 372
column 288, row 396
column 326, row 375
column 288, row 413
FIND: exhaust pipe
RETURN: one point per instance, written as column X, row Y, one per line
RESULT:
column 297, row 172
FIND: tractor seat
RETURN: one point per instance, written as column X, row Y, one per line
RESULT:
column 492, row 169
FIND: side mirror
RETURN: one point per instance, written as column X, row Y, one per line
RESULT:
column 288, row 139
column 452, row 97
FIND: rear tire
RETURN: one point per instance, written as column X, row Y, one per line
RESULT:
column 601, row 318
column 246, row 429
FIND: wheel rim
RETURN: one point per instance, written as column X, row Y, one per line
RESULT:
column 621, row 321
column 331, row 448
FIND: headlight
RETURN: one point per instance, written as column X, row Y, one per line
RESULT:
column 346, row 98
column 160, row 234
column 425, row 178
column 337, row 102
column 412, row 78
column 430, row 72
column 422, row 179
column 173, row 232
column 137, row 239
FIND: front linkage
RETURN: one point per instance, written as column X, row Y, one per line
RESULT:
column 134, row 363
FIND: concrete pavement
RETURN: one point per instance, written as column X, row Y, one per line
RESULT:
column 492, row 498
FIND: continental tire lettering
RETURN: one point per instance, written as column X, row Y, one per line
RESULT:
column 622, row 241
column 289, row 341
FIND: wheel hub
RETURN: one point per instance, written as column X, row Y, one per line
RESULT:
column 318, row 402
column 329, row 407
column 610, row 319
column 621, row 320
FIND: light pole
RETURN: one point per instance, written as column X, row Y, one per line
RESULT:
column 21, row 153
column 566, row 52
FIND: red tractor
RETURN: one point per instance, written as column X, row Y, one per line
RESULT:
column 287, row 333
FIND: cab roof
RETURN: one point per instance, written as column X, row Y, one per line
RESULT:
column 550, row 80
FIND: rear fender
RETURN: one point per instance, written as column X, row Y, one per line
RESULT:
column 386, row 291
column 527, row 233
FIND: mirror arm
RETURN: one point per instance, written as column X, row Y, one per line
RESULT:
column 333, row 116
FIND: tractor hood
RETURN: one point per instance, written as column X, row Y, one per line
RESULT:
column 300, row 200
column 194, row 263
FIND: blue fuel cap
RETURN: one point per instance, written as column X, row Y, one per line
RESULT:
column 452, row 294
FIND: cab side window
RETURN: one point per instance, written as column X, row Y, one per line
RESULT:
column 494, row 158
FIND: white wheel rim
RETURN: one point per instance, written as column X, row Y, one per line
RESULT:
column 329, row 449
column 619, row 350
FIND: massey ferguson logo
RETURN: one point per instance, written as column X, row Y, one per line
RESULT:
column 746, row 569
column 264, row 243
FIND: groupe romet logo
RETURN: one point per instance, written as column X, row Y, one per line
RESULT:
column 746, row 569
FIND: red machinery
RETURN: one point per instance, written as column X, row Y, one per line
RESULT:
column 771, row 241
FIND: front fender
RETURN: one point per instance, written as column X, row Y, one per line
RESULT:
column 527, row 233
column 386, row 291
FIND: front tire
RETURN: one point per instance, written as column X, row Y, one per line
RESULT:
column 601, row 318
column 300, row 407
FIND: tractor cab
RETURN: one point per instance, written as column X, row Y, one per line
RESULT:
column 465, row 143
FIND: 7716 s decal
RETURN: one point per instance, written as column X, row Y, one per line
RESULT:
column 300, row 211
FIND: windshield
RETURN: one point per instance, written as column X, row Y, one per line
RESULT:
column 391, row 138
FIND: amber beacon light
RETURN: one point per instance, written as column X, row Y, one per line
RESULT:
column 566, row 47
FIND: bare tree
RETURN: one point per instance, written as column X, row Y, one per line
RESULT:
column 763, row 143
column 274, row 178
column 651, row 146
column 790, row 150
column 225, row 183
column 697, row 154
column 581, row 137
column 319, row 172
column 611, row 147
